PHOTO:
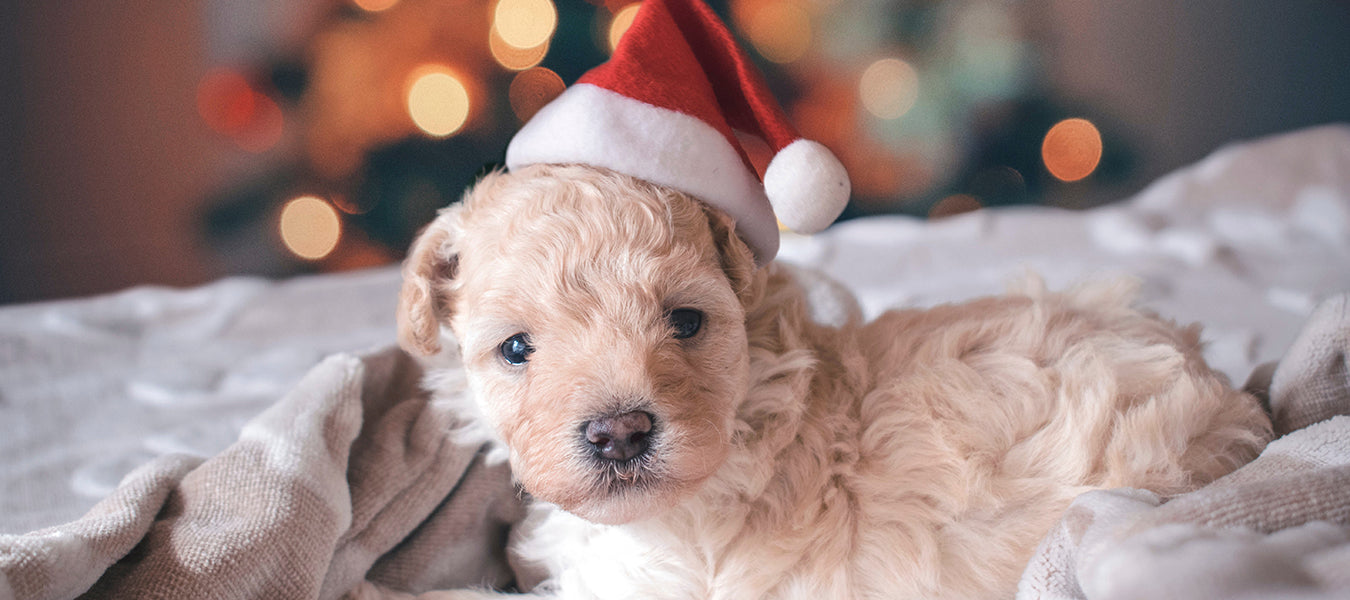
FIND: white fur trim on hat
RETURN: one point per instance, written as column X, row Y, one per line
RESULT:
column 807, row 186
column 591, row 125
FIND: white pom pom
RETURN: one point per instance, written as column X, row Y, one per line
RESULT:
column 807, row 186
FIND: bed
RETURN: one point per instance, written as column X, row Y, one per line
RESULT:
column 111, row 406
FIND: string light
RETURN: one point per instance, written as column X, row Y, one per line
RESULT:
column 309, row 227
column 531, row 90
column 620, row 23
column 225, row 101
column 269, row 124
column 780, row 31
column 437, row 101
column 525, row 23
column 1072, row 149
column 375, row 5
column 230, row 106
column 513, row 58
column 954, row 204
column 889, row 88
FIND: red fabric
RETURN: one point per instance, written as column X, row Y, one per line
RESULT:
column 678, row 55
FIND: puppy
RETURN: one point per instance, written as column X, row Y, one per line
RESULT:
column 687, row 431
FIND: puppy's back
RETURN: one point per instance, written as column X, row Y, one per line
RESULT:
column 988, row 417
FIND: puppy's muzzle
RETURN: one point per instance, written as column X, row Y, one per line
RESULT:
column 619, row 437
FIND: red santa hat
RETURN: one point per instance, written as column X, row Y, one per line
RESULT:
column 666, row 109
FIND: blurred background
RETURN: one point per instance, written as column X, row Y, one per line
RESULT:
column 177, row 141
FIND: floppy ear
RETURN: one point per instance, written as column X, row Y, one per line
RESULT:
column 738, row 262
column 424, row 301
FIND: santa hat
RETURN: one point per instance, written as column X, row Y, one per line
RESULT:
column 666, row 109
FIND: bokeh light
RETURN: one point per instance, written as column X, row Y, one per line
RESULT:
column 525, row 23
column 513, row 58
column 357, row 204
column 229, row 104
column 437, row 101
column 889, row 88
column 267, row 128
column 1072, row 149
column 226, row 101
column 780, row 31
column 375, row 5
column 310, row 227
column 954, row 204
column 531, row 90
column 620, row 23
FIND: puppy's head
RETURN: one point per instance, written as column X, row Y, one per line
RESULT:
column 601, row 321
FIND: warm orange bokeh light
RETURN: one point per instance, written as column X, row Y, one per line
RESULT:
column 954, row 204
column 309, row 227
column 525, row 23
column 1072, row 149
column 780, row 31
column 888, row 88
column 438, row 102
column 375, row 5
column 620, row 23
column 531, row 90
column 513, row 58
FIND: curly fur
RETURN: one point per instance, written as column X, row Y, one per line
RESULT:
column 923, row 454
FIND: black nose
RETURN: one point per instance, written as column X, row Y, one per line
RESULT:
column 620, row 437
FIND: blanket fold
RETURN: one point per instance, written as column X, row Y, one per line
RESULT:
column 350, row 476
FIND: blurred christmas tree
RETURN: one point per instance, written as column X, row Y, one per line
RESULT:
column 395, row 106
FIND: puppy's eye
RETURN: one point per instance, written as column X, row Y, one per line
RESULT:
column 517, row 349
column 685, row 321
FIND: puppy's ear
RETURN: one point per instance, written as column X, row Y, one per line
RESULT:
column 424, row 301
column 738, row 261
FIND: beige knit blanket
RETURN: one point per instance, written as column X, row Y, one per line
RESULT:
column 349, row 487
column 348, row 481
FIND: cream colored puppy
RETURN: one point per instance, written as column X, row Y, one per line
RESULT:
column 687, row 431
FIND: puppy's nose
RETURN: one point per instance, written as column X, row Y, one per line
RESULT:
column 620, row 437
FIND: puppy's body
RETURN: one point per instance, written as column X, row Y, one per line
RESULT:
column 924, row 454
